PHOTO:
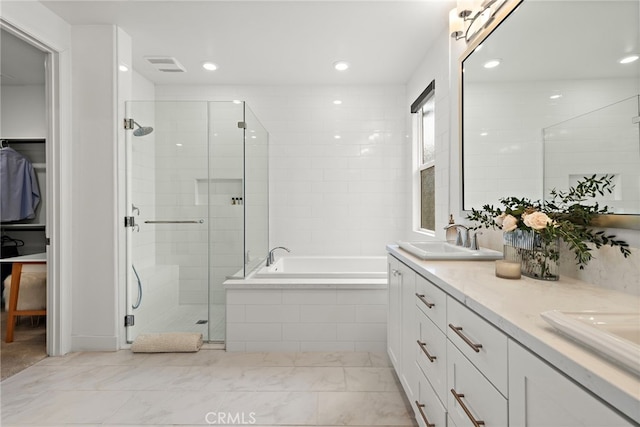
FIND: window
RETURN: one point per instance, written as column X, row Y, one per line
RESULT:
column 424, row 109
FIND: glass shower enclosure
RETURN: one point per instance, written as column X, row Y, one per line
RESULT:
column 197, row 203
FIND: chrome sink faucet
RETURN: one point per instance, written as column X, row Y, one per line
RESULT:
column 270, row 259
column 462, row 238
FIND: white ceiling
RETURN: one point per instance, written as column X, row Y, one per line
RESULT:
column 272, row 42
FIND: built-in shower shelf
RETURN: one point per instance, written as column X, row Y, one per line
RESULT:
column 221, row 190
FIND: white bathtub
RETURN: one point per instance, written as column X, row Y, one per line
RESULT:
column 318, row 267
column 309, row 303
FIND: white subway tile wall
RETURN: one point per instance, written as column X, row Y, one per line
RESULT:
column 306, row 320
column 337, row 172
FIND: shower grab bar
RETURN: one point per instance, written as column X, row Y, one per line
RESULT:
column 199, row 221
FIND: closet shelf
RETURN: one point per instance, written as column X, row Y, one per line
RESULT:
column 22, row 226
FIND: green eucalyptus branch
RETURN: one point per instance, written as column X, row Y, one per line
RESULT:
column 569, row 218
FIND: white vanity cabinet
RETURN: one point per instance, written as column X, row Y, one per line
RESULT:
column 458, row 369
column 540, row 396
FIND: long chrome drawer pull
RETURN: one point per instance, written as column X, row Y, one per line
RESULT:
column 424, row 416
column 474, row 346
column 427, row 303
column 199, row 221
column 423, row 346
column 459, row 396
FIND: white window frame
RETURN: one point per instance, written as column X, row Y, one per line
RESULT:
column 426, row 98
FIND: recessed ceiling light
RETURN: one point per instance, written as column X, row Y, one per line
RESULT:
column 178, row 145
column 629, row 59
column 555, row 96
column 337, row 136
column 492, row 63
column 209, row 66
column 123, row 68
column 341, row 65
column 484, row 133
column 337, row 102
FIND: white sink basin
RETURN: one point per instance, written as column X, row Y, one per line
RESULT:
column 616, row 335
column 446, row 251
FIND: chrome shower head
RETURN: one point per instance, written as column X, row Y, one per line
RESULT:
column 142, row 130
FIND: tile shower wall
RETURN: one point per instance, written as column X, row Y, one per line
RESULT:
column 336, row 171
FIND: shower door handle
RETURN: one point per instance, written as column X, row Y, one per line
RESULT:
column 199, row 221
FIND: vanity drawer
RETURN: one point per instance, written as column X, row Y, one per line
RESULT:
column 471, row 395
column 427, row 407
column 431, row 354
column 432, row 301
column 484, row 345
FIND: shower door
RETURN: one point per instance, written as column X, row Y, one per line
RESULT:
column 168, row 226
column 197, row 212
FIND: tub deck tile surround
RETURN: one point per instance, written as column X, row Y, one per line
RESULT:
column 289, row 388
column 331, row 319
column 298, row 312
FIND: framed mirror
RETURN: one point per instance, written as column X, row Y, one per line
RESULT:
column 549, row 94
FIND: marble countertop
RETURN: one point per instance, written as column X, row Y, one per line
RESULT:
column 514, row 306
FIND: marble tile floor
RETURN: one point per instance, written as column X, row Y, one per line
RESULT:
column 210, row 387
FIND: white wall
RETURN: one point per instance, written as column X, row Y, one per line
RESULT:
column 97, row 220
column 330, row 196
column 440, row 65
column 23, row 111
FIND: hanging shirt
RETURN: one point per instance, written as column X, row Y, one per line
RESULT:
column 19, row 192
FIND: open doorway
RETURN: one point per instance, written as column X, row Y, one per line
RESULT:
column 24, row 129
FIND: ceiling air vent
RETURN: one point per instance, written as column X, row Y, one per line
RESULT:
column 165, row 64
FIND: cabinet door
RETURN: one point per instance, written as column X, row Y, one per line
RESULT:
column 432, row 301
column 484, row 345
column 427, row 407
column 410, row 333
column 431, row 354
column 539, row 396
column 472, row 399
column 394, row 313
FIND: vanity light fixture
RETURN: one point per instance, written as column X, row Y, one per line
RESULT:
column 493, row 63
column 209, row 66
column 470, row 16
column 341, row 65
column 629, row 59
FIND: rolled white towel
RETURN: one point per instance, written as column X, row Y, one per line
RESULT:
column 168, row 342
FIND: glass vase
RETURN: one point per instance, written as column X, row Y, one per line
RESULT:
column 538, row 259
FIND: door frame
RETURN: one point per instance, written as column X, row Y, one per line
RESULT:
column 58, row 332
